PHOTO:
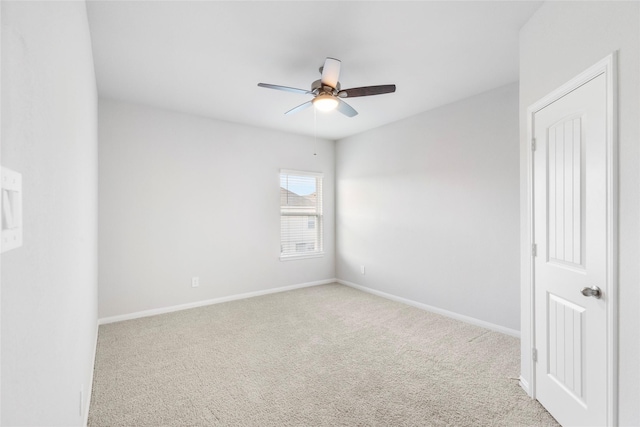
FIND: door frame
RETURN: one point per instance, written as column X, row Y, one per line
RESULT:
column 608, row 67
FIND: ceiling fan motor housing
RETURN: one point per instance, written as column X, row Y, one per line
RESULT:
column 317, row 88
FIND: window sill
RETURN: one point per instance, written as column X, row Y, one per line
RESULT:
column 305, row 256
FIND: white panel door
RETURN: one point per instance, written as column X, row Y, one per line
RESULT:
column 570, row 231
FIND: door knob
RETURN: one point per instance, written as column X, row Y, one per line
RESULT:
column 593, row 291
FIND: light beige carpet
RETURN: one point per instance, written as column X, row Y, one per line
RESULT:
column 322, row 356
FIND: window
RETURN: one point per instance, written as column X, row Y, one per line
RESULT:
column 300, row 214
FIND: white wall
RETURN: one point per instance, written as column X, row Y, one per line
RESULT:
column 0, row 243
column 49, row 285
column 184, row 196
column 429, row 205
column 561, row 40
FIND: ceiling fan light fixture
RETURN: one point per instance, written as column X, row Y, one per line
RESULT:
column 325, row 102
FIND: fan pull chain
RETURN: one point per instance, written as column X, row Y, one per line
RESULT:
column 315, row 131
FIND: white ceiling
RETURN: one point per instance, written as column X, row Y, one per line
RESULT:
column 206, row 57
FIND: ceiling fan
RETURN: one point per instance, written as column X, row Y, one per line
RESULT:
column 327, row 94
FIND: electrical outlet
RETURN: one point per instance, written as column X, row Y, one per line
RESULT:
column 362, row 270
column 81, row 407
column 195, row 282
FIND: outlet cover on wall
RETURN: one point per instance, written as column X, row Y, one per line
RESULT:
column 11, row 209
column 195, row 282
column 81, row 404
column 362, row 269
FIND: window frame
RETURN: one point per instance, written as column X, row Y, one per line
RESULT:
column 318, row 215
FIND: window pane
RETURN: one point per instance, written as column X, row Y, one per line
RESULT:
column 296, row 236
column 298, row 194
column 300, row 213
column 298, row 185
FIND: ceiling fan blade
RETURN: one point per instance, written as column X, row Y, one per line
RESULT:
column 346, row 109
column 331, row 72
column 300, row 107
column 366, row 91
column 285, row 88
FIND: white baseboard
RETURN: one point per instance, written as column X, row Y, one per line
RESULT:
column 467, row 319
column 155, row 311
column 525, row 386
column 88, row 393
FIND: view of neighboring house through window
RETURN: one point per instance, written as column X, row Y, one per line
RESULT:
column 300, row 214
